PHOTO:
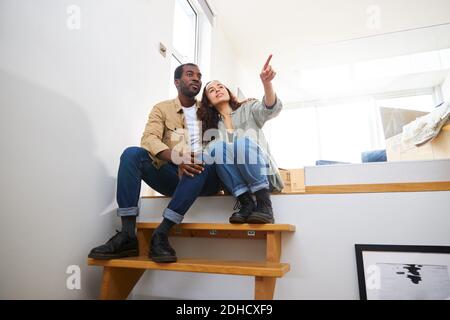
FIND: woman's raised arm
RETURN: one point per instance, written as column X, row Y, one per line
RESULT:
column 267, row 75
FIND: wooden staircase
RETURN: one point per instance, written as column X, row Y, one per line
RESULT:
column 121, row 275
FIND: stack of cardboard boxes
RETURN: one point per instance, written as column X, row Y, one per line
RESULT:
column 394, row 119
column 437, row 149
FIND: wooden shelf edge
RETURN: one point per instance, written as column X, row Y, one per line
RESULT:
column 380, row 188
column 358, row 188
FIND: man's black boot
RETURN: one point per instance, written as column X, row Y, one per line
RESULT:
column 119, row 246
column 246, row 205
column 160, row 249
column 263, row 213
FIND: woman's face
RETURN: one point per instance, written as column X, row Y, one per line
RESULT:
column 217, row 93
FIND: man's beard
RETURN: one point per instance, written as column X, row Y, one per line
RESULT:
column 186, row 90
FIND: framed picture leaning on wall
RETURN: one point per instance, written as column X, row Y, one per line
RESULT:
column 394, row 272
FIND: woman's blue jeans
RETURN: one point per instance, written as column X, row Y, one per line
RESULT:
column 241, row 166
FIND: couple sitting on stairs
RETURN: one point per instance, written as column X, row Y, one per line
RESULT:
column 175, row 161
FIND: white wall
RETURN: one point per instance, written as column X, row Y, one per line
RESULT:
column 223, row 58
column 71, row 102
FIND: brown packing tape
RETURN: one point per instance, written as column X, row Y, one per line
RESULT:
column 294, row 180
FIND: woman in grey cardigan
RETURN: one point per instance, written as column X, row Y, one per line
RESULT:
column 236, row 144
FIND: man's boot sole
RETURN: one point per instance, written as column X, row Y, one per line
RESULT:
column 163, row 259
column 123, row 254
column 257, row 218
column 234, row 220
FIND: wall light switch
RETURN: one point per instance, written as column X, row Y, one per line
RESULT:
column 162, row 49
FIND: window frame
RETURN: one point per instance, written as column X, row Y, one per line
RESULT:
column 175, row 53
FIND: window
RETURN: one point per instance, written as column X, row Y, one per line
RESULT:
column 184, row 38
column 348, row 129
column 185, row 32
column 192, row 32
column 297, row 146
column 336, row 131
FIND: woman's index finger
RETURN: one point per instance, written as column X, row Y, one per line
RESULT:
column 267, row 62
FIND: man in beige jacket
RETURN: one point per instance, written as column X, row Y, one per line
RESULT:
column 165, row 161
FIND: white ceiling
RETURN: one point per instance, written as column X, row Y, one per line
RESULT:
column 305, row 34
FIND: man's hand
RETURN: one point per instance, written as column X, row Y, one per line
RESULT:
column 190, row 168
column 165, row 155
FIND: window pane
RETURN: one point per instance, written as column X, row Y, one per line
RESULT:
column 347, row 130
column 292, row 138
column 184, row 30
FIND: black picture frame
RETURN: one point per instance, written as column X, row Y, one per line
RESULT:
column 361, row 248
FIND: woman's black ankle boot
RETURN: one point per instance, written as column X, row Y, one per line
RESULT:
column 263, row 212
column 246, row 206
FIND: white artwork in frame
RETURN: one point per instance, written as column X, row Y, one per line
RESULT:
column 390, row 272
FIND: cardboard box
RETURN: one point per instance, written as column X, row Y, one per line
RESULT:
column 294, row 180
column 395, row 119
column 437, row 149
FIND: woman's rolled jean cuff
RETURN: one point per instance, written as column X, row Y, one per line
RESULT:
column 240, row 190
column 255, row 187
column 173, row 216
column 128, row 212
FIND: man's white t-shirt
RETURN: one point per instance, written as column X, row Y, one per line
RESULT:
column 193, row 127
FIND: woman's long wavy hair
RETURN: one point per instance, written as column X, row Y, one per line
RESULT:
column 208, row 115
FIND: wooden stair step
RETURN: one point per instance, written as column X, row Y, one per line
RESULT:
column 217, row 230
column 224, row 227
column 242, row 268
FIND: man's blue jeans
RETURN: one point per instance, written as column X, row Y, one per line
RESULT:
column 136, row 165
column 241, row 166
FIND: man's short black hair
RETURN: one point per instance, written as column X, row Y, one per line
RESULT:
column 179, row 70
